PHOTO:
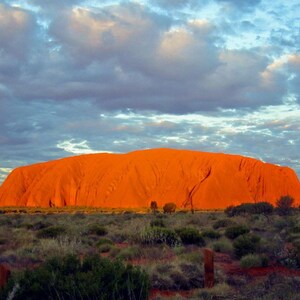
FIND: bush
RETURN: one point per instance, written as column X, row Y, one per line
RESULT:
column 97, row 230
column 129, row 253
column 105, row 248
column 249, row 208
column 222, row 223
column 190, row 236
column 222, row 246
column 51, row 232
column 230, row 211
column 211, row 234
column 246, row 244
column 284, row 205
column 159, row 235
column 263, row 208
column 169, row 207
column 233, row 232
column 38, row 225
column 253, row 261
column 104, row 241
column 157, row 223
column 67, row 278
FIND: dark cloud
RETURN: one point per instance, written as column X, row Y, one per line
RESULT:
column 17, row 33
column 130, row 57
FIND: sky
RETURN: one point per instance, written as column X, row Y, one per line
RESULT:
column 80, row 77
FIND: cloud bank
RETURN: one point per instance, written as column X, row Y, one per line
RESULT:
column 84, row 76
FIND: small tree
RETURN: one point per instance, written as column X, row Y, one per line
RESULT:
column 153, row 206
column 284, row 205
column 169, row 207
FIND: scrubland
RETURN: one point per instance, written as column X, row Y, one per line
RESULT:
column 257, row 255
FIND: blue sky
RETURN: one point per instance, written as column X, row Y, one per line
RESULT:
column 114, row 76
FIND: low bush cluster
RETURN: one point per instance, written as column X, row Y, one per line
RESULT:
column 250, row 208
column 157, row 223
column 211, row 234
column 97, row 230
column 51, row 232
column 159, row 235
column 68, row 278
column 224, row 246
column 246, row 244
column 222, row 223
column 233, row 232
column 253, row 261
column 190, row 236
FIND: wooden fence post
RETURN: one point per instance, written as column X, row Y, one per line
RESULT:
column 4, row 275
column 209, row 278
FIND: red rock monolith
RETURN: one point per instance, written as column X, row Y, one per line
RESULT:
column 4, row 275
column 190, row 179
column 209, row 278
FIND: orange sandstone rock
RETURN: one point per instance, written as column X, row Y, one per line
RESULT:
column 190, row 179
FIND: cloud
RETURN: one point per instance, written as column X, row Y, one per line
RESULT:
column 16, row 35
column 127, row 56
column 84, row 76
column 294, row 81
column 241, row 4
column 76, row 147
column 176, row 4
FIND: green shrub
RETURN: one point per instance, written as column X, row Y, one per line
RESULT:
column 67, row 278
column 252, row 261
column 296, row 229
column 211, row 234
column 97, row 230
column 157, row 223
column 159, row 235
column 222, row 223
column 263, row 208
column 246, row 244
column 51, row 232
column 3, row 241
column 233, row 232
column 244, row 208
column 230, row 211
column 190, row 236
column 129, row 253
column 223, row 246
column 38, row 225
column 104, row 241
column 250, row 208
column 105, row 248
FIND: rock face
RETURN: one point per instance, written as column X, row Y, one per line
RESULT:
column 191, row 179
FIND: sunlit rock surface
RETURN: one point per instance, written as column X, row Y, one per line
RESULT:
column 191, row 179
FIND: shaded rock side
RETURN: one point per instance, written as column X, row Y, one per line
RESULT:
column 191, row 179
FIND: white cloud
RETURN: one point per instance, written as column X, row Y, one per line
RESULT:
column 76, row 147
